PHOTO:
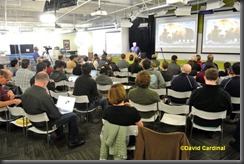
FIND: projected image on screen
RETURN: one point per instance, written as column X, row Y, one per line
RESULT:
column 221, row 33
column 176, row 34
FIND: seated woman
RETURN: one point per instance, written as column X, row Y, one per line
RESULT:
column 120, row 112
column 142, row 94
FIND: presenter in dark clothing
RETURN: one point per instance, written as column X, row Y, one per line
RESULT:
column 135, row 49
column 42, row 102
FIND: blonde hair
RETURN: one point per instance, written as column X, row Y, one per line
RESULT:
column 116, row 93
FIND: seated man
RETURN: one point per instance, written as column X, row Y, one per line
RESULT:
column 86, row 85
column 232, row 86
column 42, row 102
column 211, row 98
column 6, row 97
column 183, row 82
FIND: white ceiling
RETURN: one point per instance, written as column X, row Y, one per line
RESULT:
column 26, row 13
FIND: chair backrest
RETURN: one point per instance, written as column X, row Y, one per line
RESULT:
column 160, row 91
column 177, row 94
column 132, row 130
column 208, row 115
column 69, row 70
column 60, row 83
column 56, row 94
column 122, row 74
column 103, row 87
column 16, row 111
column 179, row 109
column 38, row 117
column 235, row 100
column 132, row 74
column 81, row 99
column 123, row 69
column 145, row 108
column 168, row 83
column 120, row 80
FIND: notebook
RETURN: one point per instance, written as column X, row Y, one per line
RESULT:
column 73, row 78
column 66, row 104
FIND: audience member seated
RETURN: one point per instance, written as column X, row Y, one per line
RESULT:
column 227, row 69
column 102, row 62
column 131, row 59
column 155, row 61
column 210, row 97
column 103, row 78
column 210, row 59
column 112, row 64
column 174, row 68
column 232, row 86
column 95, row 61
column 120, row 112
column 183, row 82
column 72, row 62
column 77, row 70
column 1, row 66
column 193, row 71
column 60, row 58
column 49, row 67
column 122, row 63
column 135, row 68
column 43, row 67
column 157, row 80
column 142, row 94
column 59, row 75
column 86, row 85
column 199, row 60
column 200, row 75
column 42, row 102
column 143, row 57
column 23, row 75
column 86, row 60
column 6, row 97
column 14, row 66
column 165, row 73
column 195, row 66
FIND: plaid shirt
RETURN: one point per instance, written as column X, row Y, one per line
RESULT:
column 23, row 77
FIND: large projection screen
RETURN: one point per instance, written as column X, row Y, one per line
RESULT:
column 176, row 34
column 221, row 33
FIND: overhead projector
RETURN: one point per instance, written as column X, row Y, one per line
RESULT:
column 99, row 12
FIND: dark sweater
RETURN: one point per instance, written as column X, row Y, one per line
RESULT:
column 210, row 98
column 40, row 102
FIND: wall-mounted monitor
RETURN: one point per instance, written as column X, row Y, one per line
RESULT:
column 14, row 49
column 176, row 34
column 221, row 32
column 26, row 48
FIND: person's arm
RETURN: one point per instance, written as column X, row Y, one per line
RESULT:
column 9, row 102
column 139, row 123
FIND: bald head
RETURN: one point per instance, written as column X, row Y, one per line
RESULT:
column 186, row 68
column 6, row 73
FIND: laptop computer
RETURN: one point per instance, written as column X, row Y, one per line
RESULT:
column 73, row 78
column 93, row 73
column 66, row 104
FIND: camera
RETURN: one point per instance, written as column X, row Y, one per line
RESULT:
column 47, row 47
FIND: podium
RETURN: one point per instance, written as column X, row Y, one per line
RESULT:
column 127, row 55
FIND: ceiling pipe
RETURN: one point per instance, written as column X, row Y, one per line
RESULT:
column 126, row 8
column 73, row 9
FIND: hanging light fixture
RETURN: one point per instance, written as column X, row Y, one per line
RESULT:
column 47, row 18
